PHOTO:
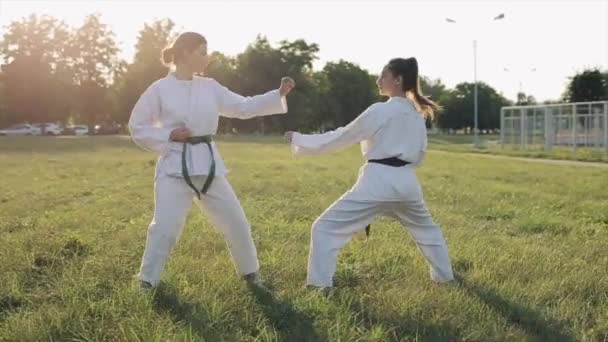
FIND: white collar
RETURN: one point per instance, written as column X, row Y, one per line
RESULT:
column 400, row 99
column 171, row 75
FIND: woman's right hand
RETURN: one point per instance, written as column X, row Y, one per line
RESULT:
column 180, row 134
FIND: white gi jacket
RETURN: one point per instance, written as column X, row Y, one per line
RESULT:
column 195, row 104
column 386, row 129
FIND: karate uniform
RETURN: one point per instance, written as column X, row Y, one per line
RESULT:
column 196, row 104
column 385, row 130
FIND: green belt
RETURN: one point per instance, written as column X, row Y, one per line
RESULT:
column 207, row 139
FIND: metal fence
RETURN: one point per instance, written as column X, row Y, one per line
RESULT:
column 580, row 125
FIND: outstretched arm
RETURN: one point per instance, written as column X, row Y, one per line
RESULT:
column 363, row 127
column 233, row 105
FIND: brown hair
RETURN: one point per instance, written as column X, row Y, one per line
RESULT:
column 187, row 41
column 407, row 68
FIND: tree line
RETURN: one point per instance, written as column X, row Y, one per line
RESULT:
column 55, row 73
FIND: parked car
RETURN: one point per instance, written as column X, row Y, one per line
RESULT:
column 107, row 128
column 81, row 130
column 21, row 129
column 49, row 128
column 76, row 130
column 68, row 130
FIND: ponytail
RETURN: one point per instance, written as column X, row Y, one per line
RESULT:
column 407, row 68
column 426, row 106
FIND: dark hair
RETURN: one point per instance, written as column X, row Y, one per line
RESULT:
column 407, row 68
column 187, row 41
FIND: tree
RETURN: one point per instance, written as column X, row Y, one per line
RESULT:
column 260, row 68
column 36, row 75
column 94, row 58
column 297, row 58
column 523, row 99
column 458, row 113
column 222, row 68
column 606, row 85
column 436, row 91
column 346, row 91
column 132, row 79
column 589, row 85
column 5, row 118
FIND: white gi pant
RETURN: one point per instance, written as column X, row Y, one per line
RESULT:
column 172, row 201
column 380, row 191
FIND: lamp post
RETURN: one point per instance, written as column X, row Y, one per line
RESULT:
column 519, row 77
column 475, row 106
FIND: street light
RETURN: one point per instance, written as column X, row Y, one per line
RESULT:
column 529, row 70
column 452, row 21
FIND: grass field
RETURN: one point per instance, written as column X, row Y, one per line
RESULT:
column 529, row 243
column 490, row 144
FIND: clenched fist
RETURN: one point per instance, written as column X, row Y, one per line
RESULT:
column 180, row 134
column 289, row 136
column 287, row 84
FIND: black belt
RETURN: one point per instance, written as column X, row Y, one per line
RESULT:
column 206, row 139
column 392, row 161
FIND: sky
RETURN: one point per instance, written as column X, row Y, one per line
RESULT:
column 540, row 43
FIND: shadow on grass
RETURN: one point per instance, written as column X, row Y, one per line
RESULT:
column 524, row 317
column 287, row 320
column 399, row 327
column 166, row 300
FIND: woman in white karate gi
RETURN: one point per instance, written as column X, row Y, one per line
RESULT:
column 176, row 117
column 393, row 142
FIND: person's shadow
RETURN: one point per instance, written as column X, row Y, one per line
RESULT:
column 287, row 320
column 398, row 327
column 290, row 323
column 166, row 300
column 531, row 321
column 537, row 326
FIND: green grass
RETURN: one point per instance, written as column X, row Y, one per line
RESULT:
column 528, row 241
column 490, row 144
